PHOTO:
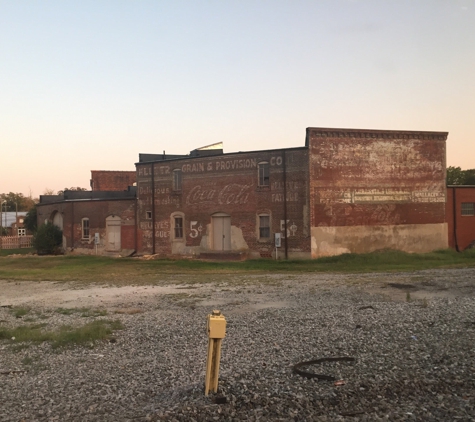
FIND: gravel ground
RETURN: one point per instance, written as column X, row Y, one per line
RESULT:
column 411, row 334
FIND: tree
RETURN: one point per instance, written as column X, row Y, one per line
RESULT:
column 60, row 192
column 469, row 177
column 48, row 239
column 455, row 176
column 16, row 202
column 31, row 220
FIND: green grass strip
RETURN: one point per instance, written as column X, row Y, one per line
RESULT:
column 94, row 269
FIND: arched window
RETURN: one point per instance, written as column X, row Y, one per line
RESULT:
column 177, row 226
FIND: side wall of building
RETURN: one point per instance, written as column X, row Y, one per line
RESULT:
column 104, row 180
column 462, row 227
column 113, row 220
column 221, row 196
column 373, row 190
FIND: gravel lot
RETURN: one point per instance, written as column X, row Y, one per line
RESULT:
column 412, row 336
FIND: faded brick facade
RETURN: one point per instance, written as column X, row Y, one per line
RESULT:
column 111, row 215
column 345, row 191
column 460, row 212
column 373, row 190
column 222, row 203
column 104, row 180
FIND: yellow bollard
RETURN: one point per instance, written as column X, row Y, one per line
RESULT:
column 216, row 327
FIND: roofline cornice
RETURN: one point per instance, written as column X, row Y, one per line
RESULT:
column 322, row 132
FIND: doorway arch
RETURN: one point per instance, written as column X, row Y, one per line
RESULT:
column 57, row 219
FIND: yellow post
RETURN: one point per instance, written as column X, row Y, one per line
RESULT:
column 216, row 327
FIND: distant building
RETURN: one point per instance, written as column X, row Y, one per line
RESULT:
column 460, row 210
column 18, row 227
column 104, row 180
column 12, row 221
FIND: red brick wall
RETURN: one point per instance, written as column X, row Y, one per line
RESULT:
column 97, row 211
column 465, row 225
column 361, row 177
column 102, row 180
column 224, row 184
column 374, row 189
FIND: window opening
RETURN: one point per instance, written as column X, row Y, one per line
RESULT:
column 178, row 227
column 468, row 208
column 177, row 180
column 263, row 174
column 264, row 227
column 85, row 228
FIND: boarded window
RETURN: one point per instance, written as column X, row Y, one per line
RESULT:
column 263, row 174
column 468, row 208
column 264, row 227
column 177, row 180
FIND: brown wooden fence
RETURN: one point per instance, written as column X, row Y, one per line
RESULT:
column 15, row 242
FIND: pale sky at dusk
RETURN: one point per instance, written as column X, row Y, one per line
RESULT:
column 88, row 85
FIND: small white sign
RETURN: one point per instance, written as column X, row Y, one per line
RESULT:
column 97, row 239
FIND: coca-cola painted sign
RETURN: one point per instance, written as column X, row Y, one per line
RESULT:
column 232, row 193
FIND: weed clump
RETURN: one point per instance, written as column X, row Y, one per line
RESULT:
column 86, row 335
column 19, row 312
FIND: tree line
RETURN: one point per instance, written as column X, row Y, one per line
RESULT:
column 457, row 176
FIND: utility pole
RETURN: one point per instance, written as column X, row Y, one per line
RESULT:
column 1, row 216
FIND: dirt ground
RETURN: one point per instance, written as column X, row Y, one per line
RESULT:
column 404, row 286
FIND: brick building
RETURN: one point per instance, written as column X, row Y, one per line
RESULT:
column 18, row 227
column 100, row 222
column 375, row 189
column 106, row 180
column 201, row 203
column 460, row 211
column 346, row 190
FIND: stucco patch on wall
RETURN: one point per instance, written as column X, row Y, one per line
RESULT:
column 237, row 240
column 420, row 238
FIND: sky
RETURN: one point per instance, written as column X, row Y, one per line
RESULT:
column 88, row 85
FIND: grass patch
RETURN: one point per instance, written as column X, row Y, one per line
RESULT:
column 85, row 312
column 127, row 271
column 87, row 335
column 185, row 300
column 129, row 311
column 22, row 251
column 27, row 360
column 19, row 312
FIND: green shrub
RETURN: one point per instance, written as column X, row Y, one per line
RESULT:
column 48, row 239
column 30, row 220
